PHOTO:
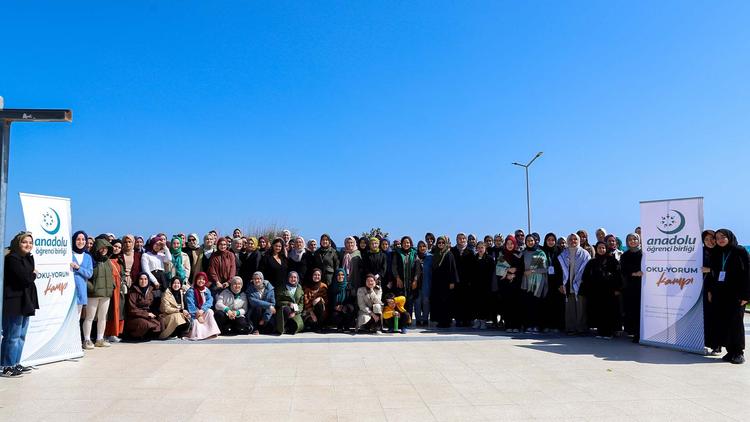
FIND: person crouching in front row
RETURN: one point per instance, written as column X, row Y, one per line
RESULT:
column 394, row 309
column 370, row 314
column 231, row 309
column 199, row 303
column 175, row 319
column 141, row 323
column 290, row 300
column 262, row 300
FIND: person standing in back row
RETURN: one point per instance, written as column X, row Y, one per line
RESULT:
column 729, row 292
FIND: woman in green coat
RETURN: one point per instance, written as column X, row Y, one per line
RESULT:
column 100, row 288
column 290, row 301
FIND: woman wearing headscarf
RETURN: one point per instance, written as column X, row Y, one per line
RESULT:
column 534, row 283
column 20, row 302
column 326, row 258
column 173, row 314
column 424, row 284
column 351, row 263
column 315, row 312
column 601, row 284
column 709, row 319
column 251, row 263
column 601, row 235
column 444, row 280
column 462, row 297
column 116, row 313
column 208, row 248
column 231, row 309
column 297, row 261
column 262, row 298
column 221, row 267
column 343, row 300
column 573, row 261
column 290, row 301
column 131, row 260
column 375, row 261
column 138, row 245
column 82, row 267
column 583, row 237
column 553, row 308
column 404, row 272
column 100, row 288
column 153, row 261
column 275, row 265
column 729, row 292
column 630, row 266
column 370, row 306
column 610, row 242
column 509, row 273
column 362, row 244
column 200, row 302
column 180, row 264
column 141, row 323
column 194, row 256
column 483, row 276
column 263, row 246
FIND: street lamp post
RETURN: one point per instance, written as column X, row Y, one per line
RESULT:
column 528, row 195
column 8, row 116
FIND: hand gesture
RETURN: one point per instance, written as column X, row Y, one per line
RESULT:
column 273, row 310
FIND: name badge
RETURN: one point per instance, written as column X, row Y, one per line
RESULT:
column 722, row 276
column 551, row 270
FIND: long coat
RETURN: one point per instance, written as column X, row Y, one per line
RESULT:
column 171, row 313
column 137, row 321
column 19, row 291
column 369, row 303
column 444, row 274
column 285, row 298
column 327, row 260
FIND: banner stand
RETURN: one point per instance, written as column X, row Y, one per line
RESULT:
column 672, row 266
column 53, row 333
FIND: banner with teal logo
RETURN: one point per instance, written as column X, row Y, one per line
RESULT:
column 672, row 283
column 53, row 333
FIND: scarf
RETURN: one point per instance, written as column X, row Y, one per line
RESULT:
column 340, row 286
column 580, row 257
column 177, row 294
column 633, row 235
column 85, row 238
column 177, row 258
column 407, row 258
column 535, row 283
column 198, row 293
column 296, row 254
column 143, row 290
column 441, row 253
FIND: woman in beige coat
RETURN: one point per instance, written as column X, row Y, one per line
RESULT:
column 370, row 306
column 175, row 319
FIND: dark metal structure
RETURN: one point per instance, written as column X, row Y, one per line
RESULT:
column 528, row 195
column 8, row 116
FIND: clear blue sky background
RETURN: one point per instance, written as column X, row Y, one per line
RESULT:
column 339, row 116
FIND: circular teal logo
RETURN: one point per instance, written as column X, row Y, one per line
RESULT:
column 671, row 223
column 51, row 222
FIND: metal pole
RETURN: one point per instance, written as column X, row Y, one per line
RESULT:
column 4, row 154
column 528, row 203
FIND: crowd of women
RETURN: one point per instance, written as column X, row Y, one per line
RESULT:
column 196, row 288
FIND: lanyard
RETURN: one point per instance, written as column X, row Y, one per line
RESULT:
column 724, row 258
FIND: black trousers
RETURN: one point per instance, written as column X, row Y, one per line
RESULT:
column 228, row 327
column 344, row 319
column 319, row 310
column 729, row 327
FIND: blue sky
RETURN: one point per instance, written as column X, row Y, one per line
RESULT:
column 340, row 116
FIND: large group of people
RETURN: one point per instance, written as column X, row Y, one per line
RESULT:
column 197, row 288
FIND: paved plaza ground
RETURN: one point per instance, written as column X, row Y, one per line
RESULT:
column 420, row 376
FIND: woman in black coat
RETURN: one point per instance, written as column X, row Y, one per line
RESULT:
column 444, row 280
column 601, row 284
column 275, row 265
column 630, row 267
column 729, row 292
column 20, row 301
column 709, row 336
column 553, row 317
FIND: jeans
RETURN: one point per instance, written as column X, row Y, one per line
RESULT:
column 14, row 336
column 422, row 307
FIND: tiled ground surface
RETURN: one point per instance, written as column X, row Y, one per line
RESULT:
column 460, row 376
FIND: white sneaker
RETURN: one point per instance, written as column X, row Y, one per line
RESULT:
column 482, row 325
column 102, row 343
column 113, row 339
column 88, row 345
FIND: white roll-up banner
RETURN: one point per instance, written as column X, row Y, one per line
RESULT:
column 672, row 283
column 53, row 333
